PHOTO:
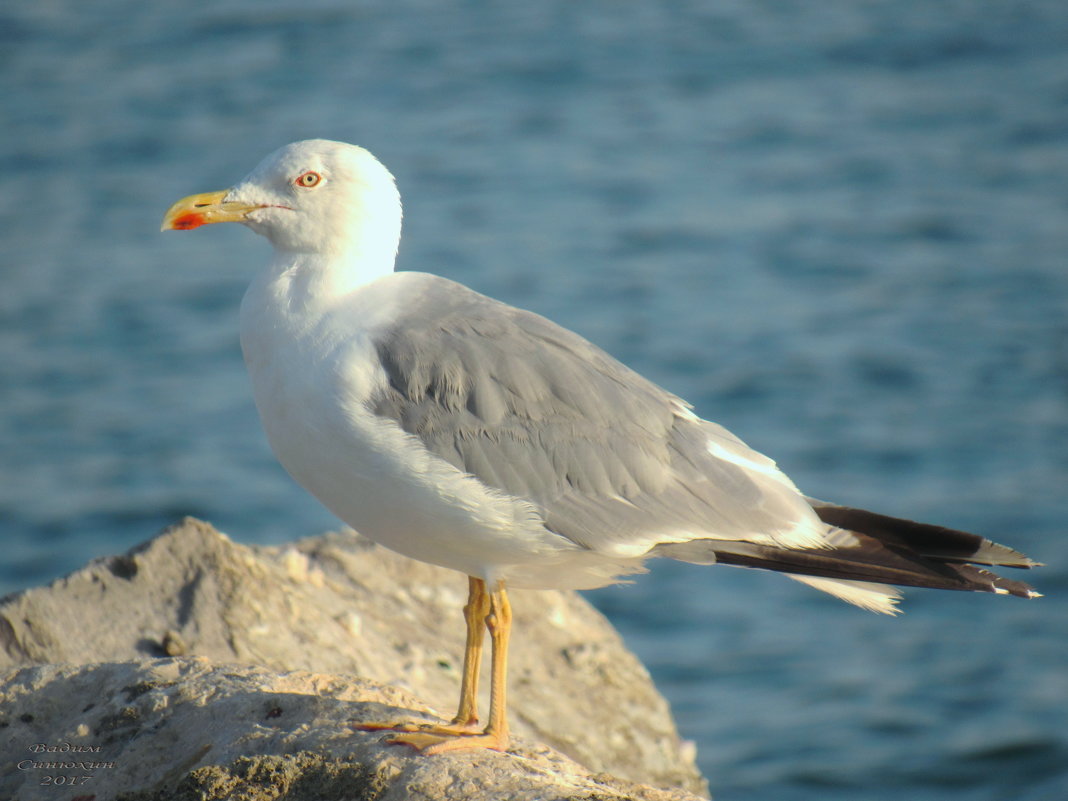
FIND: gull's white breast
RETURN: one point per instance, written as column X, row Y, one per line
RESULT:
column 314, row 368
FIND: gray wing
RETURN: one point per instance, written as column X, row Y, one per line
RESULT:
column 613, row 461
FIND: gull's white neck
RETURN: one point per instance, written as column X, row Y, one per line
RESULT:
column 310, row 281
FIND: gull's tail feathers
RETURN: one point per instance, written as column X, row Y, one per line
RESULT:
column 881, row 598
column 869, row 552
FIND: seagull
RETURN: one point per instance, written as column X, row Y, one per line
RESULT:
column 467, row 433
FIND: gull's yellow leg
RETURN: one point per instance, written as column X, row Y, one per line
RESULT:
column 475, row 614
column 495, row 735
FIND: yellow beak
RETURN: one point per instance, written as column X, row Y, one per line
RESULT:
column 197, row 210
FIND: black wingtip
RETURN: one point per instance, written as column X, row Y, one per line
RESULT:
column 925, row 539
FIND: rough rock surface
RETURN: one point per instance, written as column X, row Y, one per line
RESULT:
column 183, row 729
column 339, row 604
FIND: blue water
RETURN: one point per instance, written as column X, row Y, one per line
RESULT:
column 839, row 228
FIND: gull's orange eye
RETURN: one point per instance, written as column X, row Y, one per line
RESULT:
column 308, row 179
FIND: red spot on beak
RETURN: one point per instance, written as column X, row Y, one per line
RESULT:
column 188, row 221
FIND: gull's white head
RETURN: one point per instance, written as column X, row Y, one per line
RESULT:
column 316, row 197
